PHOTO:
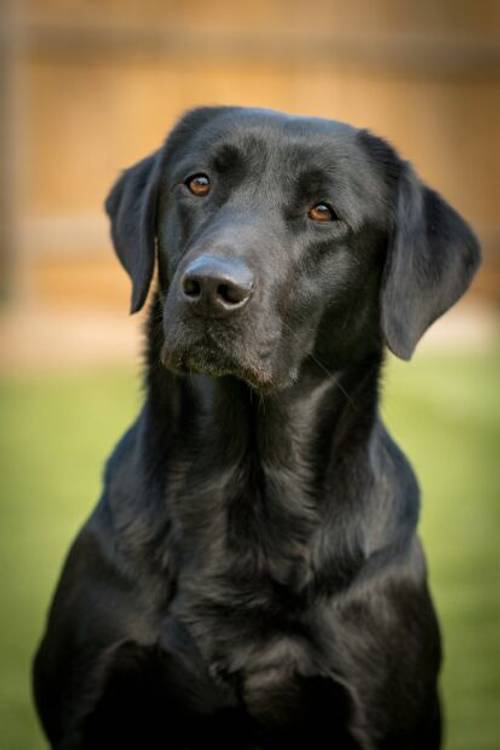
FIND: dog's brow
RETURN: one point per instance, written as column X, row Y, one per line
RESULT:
column 311, row 181
column 226, row 156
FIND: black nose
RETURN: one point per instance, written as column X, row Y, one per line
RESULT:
column 217, row 286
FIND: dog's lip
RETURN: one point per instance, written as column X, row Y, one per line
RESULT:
column 211, row 359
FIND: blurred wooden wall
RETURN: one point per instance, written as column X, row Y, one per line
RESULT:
column 90, row 86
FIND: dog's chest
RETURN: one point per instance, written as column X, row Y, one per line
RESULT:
column 237, row 597
column 254, row 648
column 282, row 676
column 271, row 680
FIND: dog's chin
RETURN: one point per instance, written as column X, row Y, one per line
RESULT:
column 215, row 363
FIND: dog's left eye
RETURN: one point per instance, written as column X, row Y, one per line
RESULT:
column 198, row 184
column 322, row 212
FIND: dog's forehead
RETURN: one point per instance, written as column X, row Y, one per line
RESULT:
column 276, row 134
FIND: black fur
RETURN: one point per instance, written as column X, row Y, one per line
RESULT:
column 251, row 577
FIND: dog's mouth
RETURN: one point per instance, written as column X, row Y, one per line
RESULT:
column 207, row 356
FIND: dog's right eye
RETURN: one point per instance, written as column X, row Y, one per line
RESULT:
column 198, row 184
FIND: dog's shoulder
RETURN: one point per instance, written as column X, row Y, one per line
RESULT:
column 121, row 454
column 393, row 467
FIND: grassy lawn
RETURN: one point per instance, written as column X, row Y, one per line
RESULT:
column 443, row 409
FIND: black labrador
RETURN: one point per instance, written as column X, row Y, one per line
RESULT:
column 252, row 576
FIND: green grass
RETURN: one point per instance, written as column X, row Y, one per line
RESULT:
column 443, row 410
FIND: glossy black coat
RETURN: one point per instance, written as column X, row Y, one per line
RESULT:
column 252, row 577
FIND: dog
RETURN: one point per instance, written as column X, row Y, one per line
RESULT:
column 251, row 576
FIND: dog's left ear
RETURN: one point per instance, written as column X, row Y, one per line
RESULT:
column 432, row 257
column 131, row 206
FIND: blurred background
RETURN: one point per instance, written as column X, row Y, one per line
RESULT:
column 87, row 87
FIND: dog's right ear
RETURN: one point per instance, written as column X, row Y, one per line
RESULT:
column 131, row 206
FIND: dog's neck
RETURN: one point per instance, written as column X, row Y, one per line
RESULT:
column 257, row 468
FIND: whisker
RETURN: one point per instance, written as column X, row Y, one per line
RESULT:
column 336, row 381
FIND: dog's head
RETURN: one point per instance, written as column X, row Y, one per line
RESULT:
column 282, row 240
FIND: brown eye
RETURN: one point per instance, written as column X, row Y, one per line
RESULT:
column 322, row 212
column 199, row 184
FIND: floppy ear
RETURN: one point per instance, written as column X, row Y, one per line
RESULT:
column 131, row 206
column 432, row 257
